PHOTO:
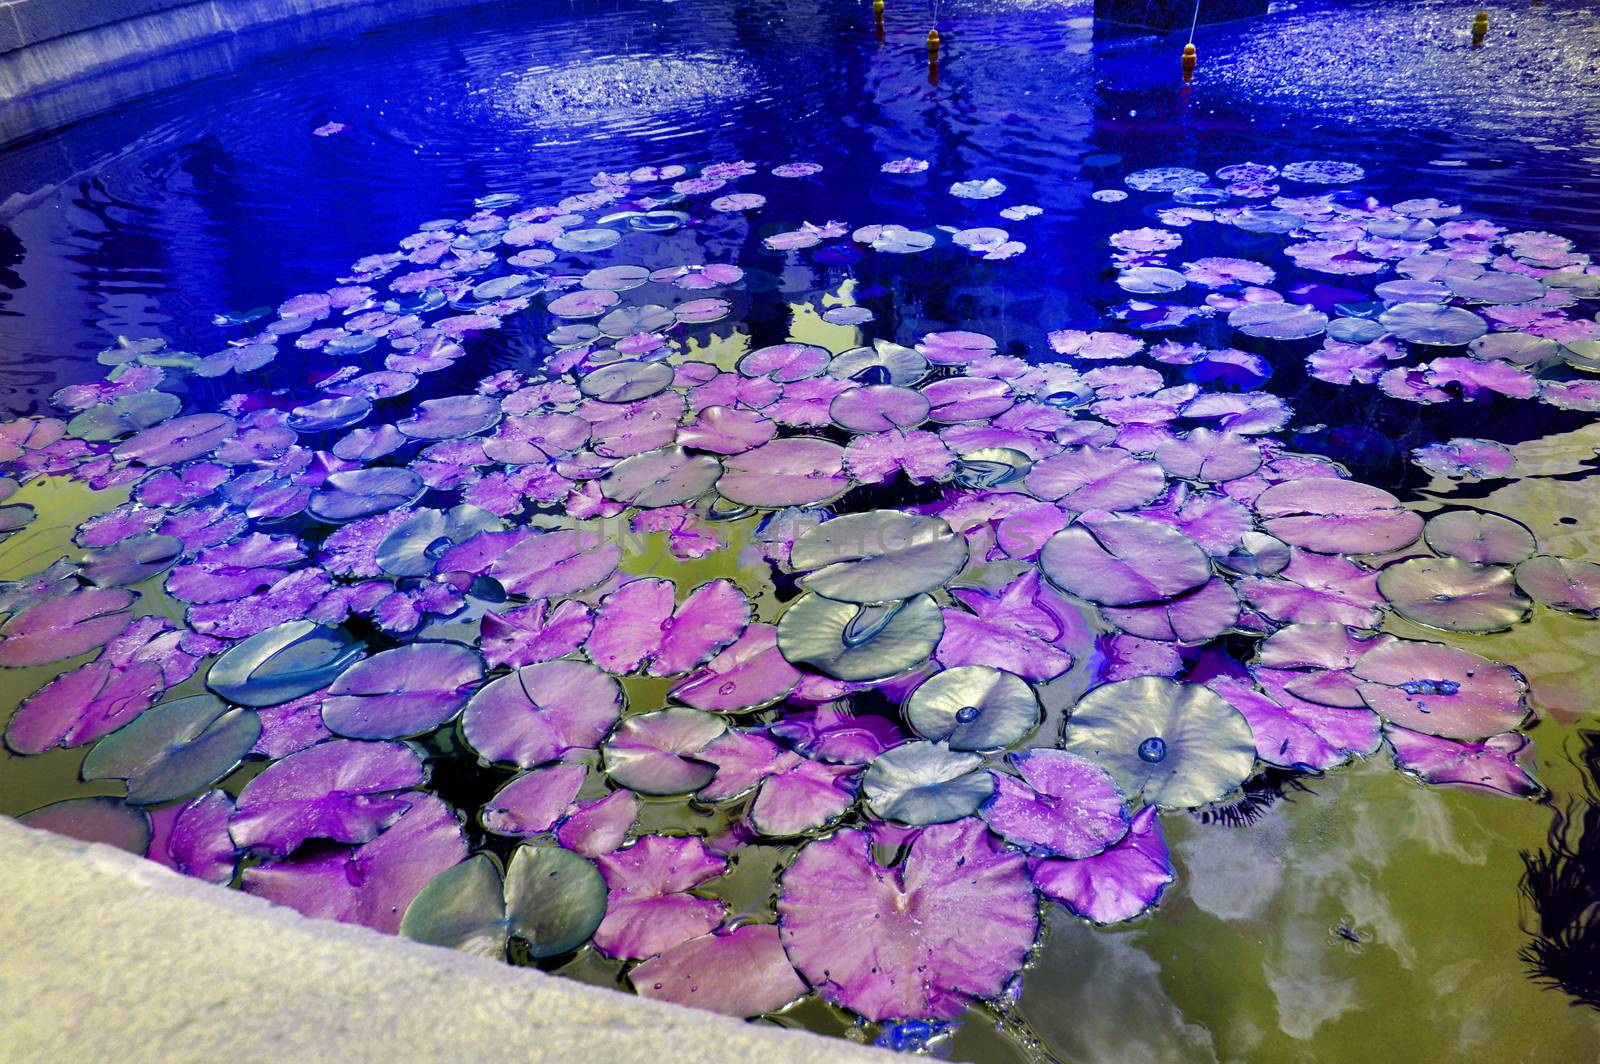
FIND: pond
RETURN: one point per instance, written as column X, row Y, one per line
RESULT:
column 1013, row 558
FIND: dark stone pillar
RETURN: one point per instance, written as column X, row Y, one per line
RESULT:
column 1169, row 15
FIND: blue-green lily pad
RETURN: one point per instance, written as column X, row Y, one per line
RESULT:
column 878, row 556
column 282, row 663
column 177, row 748
column 973, row 707
column 550, row 899
column 859, row 643
column 925, row 783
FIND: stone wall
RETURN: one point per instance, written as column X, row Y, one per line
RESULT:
column 107, row 956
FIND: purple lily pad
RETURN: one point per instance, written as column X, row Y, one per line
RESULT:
column 65, row 627
column 1480, row 538
column 1096, row 478
column 637, row 623
column 1453, row 595
column 551, row 564
column 1439, row 690
column 407, row 691
column 749, row 674
column 533, row 802
column 542, row 712
column 1206, row 455
column 370, row 884
column 792, row 471
column 343, row 790
column 1123, row 561
column 1296, row 733
column 109, row 821
column 648, row 907
column 1562, row 583
column 179, row 440
column 534, row 633
column 1020, row 630
column 1115, row 885
column 1317, row 588
column 660, row 753
column 954, row 921
column 743, row 972
column 1191, row 618
column 666, row 477
column 726, row 430
column 1063, row 805
column 1337, row 516
column 1490, row 764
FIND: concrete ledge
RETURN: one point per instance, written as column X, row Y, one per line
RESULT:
column 106, row 956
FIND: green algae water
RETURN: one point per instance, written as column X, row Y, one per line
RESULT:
column 1038, row 278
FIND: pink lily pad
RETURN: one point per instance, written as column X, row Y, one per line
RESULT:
column 648, row 907
column 954, row 921
column 1115, row 885
column 542, row 712
column 343, row 790
column 743, row 972
column 1489, row 764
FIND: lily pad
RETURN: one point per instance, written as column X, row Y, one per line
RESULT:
column 954, row 921
column 1063, row 805
column 64, row 627
column 1562, row 583
column 1334, row 516
column 878, row 556
column 176, row 748
column 654, row 753
column 550, row 901
column 1480, row 538
column 1117, row 884
column 109, row 821
column 743, row 972
column 1453, row 595
column 1433, row 324
column 627, row 382
column 283, row 663
column 1173, row 744
column 791, row 471
column 1123, row 561
column 542, row 712
column 665, row 477
column 357, row 493
column 1440, row 690
column 407, row 691
column 973, row 707
column 857, row 643
column 345, row 790
column 922, row 783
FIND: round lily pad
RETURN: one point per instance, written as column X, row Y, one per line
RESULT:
column 1173, row 744
column 1433, row 324
column 358, row 493
column 1562, row 583
column 1334, row 516
column 1441, row 690
column 925, row 783
column 1279, row 321
column 1123, row 561
column 415, row 546
column 551, row 900
column 283, row 663
column 1454, row 595
column 860, row 643
column 1063, row 805
column 542, row 712
column 110, row 821
column 176, row 748
column 131, row 560
column 882, row 363
column 407, row 691
column 878, row 556
column 791, row 471
column 1481, row 538
column 451, row 418
column 654, row 753
column 627, row 382
column 973, row 707
column 665, row 477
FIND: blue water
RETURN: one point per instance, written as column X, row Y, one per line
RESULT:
column 148, row 220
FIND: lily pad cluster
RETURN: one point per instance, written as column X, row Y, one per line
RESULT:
column 984, row 616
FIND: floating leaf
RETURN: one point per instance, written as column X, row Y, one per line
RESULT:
column 1490, row 764
column 925, row 783
column 1123, row 561
column 343, row 790
column 562, row 562
column 742, row 972
column 1063, row 805
column 648, row 908
column 654, row 753
column 792, row 471
column 666, row 477
column 878, row 556
column 1119, row 883
column 64, row 627
column 638, row 623
column 109, row 821
column 1562, row 583
column 952, row 922
column 550, row 900
column 749, row 674
column 177, row 748
column 532, row 802
column 130, row 560
column 407, row 691
column 1337, row 516
column 1096, row 478
column 282, row 663
column 1453, row 595
column 1173, row 744
column 1481, row 538
column 1440, row 690
column 973, row 707
column 371, row 884
column 542, row 713
column 358, row 493
column 1433, row 324
column 856, row 642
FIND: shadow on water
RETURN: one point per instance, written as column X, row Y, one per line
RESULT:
column 1562, row 882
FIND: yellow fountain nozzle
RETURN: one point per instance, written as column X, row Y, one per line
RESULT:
column 877, row 6
column 1480, row 27
column 933, row 40
column 1190, row 59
